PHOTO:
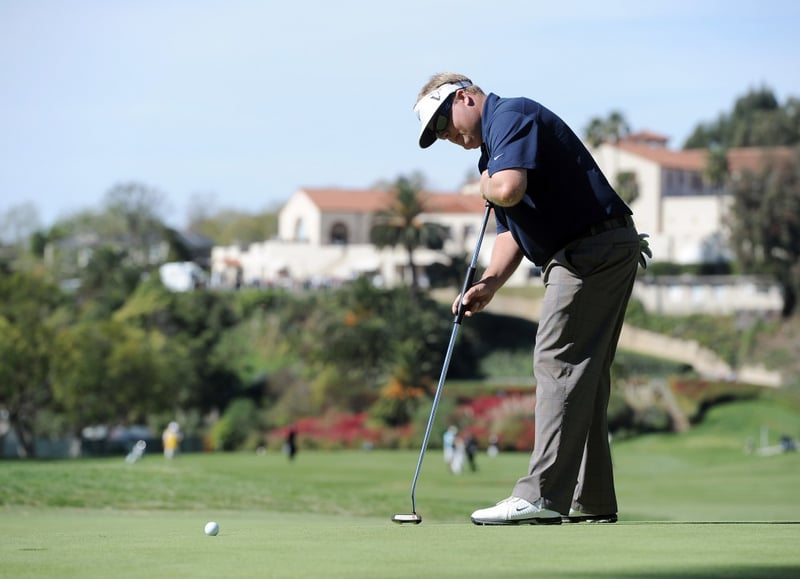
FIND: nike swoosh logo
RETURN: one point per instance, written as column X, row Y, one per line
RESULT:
column 521, row 509
column 498, row 156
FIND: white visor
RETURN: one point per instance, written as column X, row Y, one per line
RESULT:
column 427, row 107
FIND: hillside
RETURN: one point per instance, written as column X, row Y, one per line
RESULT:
column 773, row 359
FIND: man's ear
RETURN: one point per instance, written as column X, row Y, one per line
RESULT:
column 471, row 99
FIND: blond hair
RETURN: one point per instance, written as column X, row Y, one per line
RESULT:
column 441, row 78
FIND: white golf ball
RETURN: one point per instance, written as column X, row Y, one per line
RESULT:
column 211, row 528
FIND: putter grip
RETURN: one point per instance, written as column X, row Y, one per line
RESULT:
column 467, row 284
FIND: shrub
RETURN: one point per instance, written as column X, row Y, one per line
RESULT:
column 233, row 428
column 697, row 396
column 333, row 430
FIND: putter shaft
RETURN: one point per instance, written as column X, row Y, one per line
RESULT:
column 468, row 279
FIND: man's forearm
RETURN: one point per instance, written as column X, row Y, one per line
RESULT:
column 506, row 257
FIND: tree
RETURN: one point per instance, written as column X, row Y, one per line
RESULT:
column 18, row 223
column 157, row 352
column 609, row 130
column 765, row 225
column 136, row 210
column 408, row 382
column 111, row 371
column 360, row 342
column 107, row 280
column 757, row 120
column 715, row 172
column 348, row 352
column 29, row 316
column 401, row 225
column 128, row 232
column 229, row 227
column 193, row 323
column 627, row 186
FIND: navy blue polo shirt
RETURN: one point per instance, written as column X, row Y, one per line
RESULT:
column 567, row 193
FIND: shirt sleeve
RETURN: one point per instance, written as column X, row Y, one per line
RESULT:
column 500, row 220
column 483, row 162
column 513, row 142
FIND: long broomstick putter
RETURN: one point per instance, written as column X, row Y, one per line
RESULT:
column 413, row 517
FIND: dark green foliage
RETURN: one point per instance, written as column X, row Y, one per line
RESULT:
column 610, row 130
column 248, row 301
column 627, row 186
column 697, row 396
column 765, row 224
column 109, row 371
column 236, row 424
column 757, row 120
column 108, row 279
column 192, row 324
column 352, row 340
column 229, row 227
column 30, row 315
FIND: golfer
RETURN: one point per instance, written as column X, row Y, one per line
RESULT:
column 554, row 207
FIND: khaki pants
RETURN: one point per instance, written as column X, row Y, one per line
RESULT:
column 588, row 285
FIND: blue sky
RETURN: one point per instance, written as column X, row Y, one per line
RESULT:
column 241, row 102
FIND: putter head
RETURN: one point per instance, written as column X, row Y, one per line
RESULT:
column 412, row 518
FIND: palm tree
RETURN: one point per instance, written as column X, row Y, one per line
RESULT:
column 617, row 127
column 400, row 224
column 595, row 132
column 627, row 186
column 611, row 130
column 608, row 130
column 715, row 172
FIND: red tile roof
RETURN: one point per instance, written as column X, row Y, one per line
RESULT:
column 647, row 137
column 690, row 160
column 373, row 200
column 755, row 158
column 746, row 158
column 346, row 200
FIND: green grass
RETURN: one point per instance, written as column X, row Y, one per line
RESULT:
column 56, row 543
column 692, row 505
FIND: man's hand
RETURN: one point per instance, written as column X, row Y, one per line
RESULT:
column 644, row 249
column 476, row 299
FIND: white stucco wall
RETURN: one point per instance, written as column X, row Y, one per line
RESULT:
column 685, row 222
column 695, row 230
column 646, row 208
column 299, row 220
column 710, row 294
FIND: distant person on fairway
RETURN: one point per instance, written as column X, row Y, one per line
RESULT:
column 449, row 445
column 171, row 439
column 290, row 444
column 471, row 449
column 554, row 207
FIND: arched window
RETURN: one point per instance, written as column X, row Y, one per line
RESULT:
column 300, row 233
column 339, row 233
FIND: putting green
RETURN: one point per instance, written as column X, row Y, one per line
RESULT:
column 92, row 544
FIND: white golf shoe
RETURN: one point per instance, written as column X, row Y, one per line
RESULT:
column 516, row 511
column 579, row 517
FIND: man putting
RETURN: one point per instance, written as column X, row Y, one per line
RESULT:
column 554, row 207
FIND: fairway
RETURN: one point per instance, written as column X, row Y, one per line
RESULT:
column 692, row 505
